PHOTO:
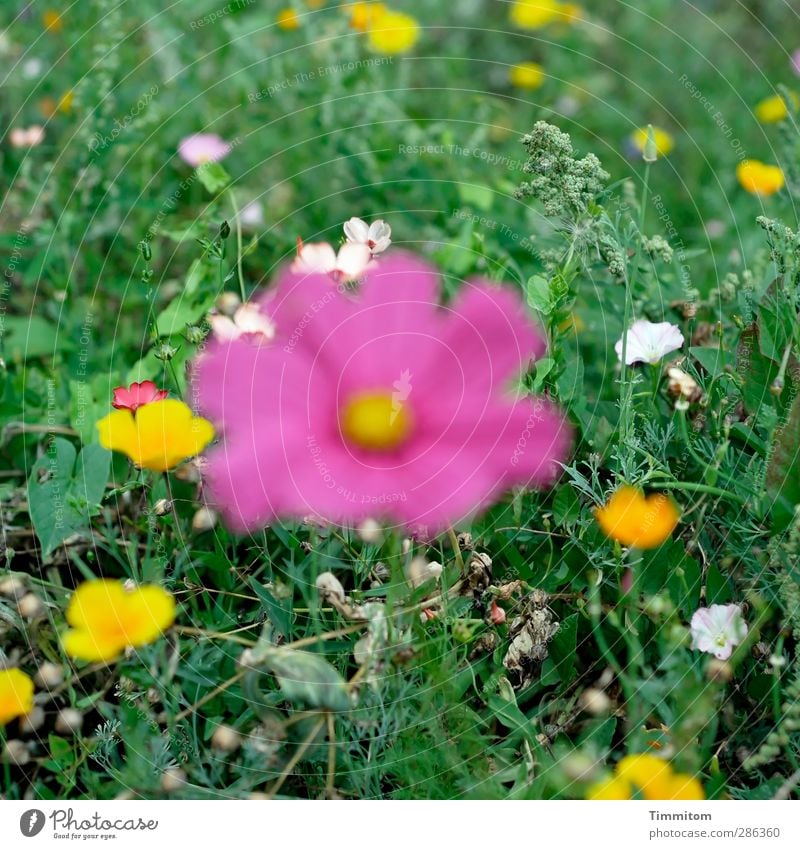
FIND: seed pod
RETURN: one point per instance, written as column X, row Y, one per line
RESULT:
column 69, row 721
column 49, row 675
column 226, row 739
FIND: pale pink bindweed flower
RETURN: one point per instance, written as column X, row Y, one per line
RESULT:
column 31, row 136
column 349, row 263
column 649, row 342
column 796, row 61
column 248, row 322
column 718, row 629
column 201, row 148
column 376, row 236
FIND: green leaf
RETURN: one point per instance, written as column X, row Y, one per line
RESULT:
column 65, row 490
column 278, row 615
column 307, row 679
column 713, row 360
column 27, row 337
column 783, row 470
column 537, row 294
column 481, row 197
column 213, row 177
column 563, row 647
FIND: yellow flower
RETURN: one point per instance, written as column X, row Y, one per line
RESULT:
column 637, row 521
column 288, row 19
column 16, row 694
column 758, row 178
column 664, row 141
column 52, row 21
column 158, row 437
column 363, row 14
column 105, row 619
column 648, row 777
column 527, row 75
column 392, row 32
column 534, row 14
column 773, row 109
column 65, row 102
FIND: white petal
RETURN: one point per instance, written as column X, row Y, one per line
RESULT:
column 356, row 230
column 250, row 319
column 223, row 328
column 353, row 260
column 316, row 256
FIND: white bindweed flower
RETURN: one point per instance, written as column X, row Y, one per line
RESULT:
column 248, row 322
column 252, row 214
column 376, row 236
column 349, row 264
column 717, row 629
column 648, row 342
column 30, row 137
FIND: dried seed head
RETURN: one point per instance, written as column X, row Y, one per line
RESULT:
column 162, row 507
column 173, row 779
column 13, row 586
column 49, row 675
column 370, row 532
column 32, row 721
column 719, row 670
column 595, row 702
column 30, row 606
column 69, row 721
column 204, row 520
column 16, row 752
column 226, row 739
column 330, row 588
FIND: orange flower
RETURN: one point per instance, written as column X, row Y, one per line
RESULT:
column 648, row 777
column 637, row 521
column 758, row 178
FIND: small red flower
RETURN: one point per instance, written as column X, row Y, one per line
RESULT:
column 137, row 395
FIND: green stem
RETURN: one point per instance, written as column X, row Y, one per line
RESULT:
column 702, row 487
column 238, row 221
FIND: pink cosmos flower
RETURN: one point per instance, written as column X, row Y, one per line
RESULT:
column 649, row 342
column 137, row 395
column 320, row 258
column 717, row 629
column 248, row 322
column 200, row 148
column 378, row 403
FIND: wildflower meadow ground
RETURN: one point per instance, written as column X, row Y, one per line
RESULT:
column 399, row 400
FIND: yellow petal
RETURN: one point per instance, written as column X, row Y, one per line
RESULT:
column 91, row 646
column 94, row 605
column 16, row 694
column 611, row 789
column 117, row 431
column 149, row 612
column 637, row 521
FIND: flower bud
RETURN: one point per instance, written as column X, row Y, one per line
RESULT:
column 16, row 752
column 650, row 152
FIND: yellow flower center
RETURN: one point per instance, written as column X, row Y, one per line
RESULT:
column 375, row 421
